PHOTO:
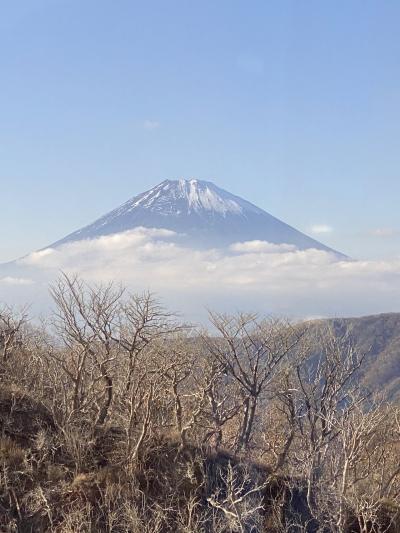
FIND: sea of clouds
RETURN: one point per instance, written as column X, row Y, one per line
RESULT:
column 255, row 275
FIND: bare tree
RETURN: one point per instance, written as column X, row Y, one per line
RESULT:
column 251, row 352
column 11, row 325
column 85, row 320
column 142, row 320
column 222, row 400
column 239, row 498
column 317, row 398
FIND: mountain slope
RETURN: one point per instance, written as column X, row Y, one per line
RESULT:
column 377, row 336
column 202, row 214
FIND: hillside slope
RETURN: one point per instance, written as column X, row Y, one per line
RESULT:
column 379, row 337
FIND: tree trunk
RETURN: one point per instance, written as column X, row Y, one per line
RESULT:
column 109, row 396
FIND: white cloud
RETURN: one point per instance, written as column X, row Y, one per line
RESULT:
column 109, row 249
column 9, row 280
column 384, row 232
column 151, row 125
column 321, row 228
column 261, row 246
column 253, row 275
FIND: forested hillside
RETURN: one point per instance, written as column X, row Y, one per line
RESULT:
column 379, row 337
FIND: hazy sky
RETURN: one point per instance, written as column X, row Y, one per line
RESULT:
column 293, row 105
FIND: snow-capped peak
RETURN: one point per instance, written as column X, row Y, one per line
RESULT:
column 188, row 196
column 200, row 214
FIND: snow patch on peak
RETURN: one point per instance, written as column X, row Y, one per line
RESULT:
column 202, row 196
column 179, row 196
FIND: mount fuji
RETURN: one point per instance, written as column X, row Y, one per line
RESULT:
column 199, row 247
column 201, row 215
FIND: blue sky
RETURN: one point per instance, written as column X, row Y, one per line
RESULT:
column 293, row 105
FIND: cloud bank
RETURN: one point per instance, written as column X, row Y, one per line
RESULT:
column 254, row 275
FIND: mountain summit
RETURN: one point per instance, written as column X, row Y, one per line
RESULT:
column 202, row 215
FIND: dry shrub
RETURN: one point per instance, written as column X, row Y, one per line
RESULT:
column 22, row 417
column 11, row 455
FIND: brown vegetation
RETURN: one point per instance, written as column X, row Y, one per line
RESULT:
column 115, row 417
